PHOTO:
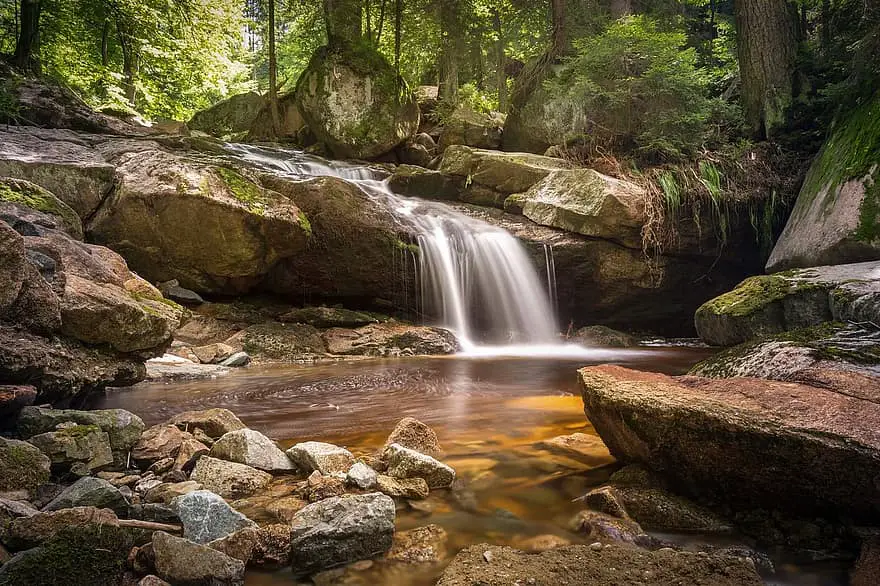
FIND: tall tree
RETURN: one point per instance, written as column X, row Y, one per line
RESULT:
column 344, row 20
column 27, row 46
column 451, row 41
column 558, row 31
column 500, row 59
column 273, row 74
column 767, row 35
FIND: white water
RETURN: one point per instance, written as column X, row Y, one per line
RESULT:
column 477, row 277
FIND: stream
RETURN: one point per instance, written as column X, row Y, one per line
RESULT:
column 490, row 415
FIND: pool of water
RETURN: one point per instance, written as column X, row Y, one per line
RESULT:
column 491, row 415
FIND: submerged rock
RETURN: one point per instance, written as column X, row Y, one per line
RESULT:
column 183, row 562
column 341, row 530
column 409, row 488
column 612, row 565
column 751, row 442
column 250, row 447
column 206, row 517
column 420, row 545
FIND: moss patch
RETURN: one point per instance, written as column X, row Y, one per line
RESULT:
column 78, row 431
column 304, row 223
column 243, row 189
column 749, row 296
column 27, row 194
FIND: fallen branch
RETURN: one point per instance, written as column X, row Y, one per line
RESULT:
column 150, row 526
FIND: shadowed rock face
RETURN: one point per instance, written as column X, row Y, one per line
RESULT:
column 752, row 442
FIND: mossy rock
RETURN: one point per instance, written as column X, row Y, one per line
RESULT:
column 836, row 219
column 354, row 102
column 22, row 466
column 276, row 342
column 25, row 193
column 86, row 556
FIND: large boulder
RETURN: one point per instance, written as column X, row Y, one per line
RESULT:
column 355, row 249
column 836, row 219
column 292, row 125
column 492, row 176
column 76, row 447
column 22, row 466
column 233, row 115
column 243, row 228
column 62, row 162
column 341, row 530
column 610, row 565
column 355, row 103
column 23, row 196
column 585, row 202
column 765, row 305
column 29, row 531
column 123, row 427
column 229, row 479
column 90, row 492
column 470, row 128
column 751, row 442
column 391, row 338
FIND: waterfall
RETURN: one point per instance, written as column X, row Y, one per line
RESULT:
column 476, row 277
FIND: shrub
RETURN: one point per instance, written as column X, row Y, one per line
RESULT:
column 634, row 88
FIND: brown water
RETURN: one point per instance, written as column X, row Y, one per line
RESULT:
column 490, row 416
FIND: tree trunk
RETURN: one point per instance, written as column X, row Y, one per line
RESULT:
column 450, row 49
column 766, row 49
column 500, row 61
column 130, row 61
column 558, row 31
column 105, row 43
column 381, row 23
column 343, row 19
column 620, row 8
column 27, row 47
column 273, row 74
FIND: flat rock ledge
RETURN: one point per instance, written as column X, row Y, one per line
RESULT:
column 751, row 442
column 598, row 565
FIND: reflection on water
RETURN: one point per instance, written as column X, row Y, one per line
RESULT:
column 490, row 415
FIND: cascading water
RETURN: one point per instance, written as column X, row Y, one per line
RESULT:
column 476, row 276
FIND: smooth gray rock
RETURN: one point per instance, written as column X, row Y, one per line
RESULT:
column 123, row 427
column 237, row 360
column 252, row 448
column 206, row 516
column 341, row 530
column 90, row 492
column 361, row 476
column 406, row 463
column 184, row 563
column 325, row 458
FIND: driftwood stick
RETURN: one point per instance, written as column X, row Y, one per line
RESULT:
column 149, row 525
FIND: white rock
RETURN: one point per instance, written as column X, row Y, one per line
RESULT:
column 325, row 458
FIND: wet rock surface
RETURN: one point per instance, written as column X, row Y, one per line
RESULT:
column 604, row 565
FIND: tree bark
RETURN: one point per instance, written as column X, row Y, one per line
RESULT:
column 558, row 31
column 500, row 60
column 273, row 74
column 130, row 61
column 343, row 19
column 450, row 49
column 620, row 8
column 105, row 43
column 766, row 50
column 28, row 43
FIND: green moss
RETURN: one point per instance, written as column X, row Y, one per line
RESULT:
column 78, row 431
column 401, row 245
column 304, row 223
column 757, row 292
column 19, row 467
column 869, row 214
column 243, row 189
column 850, row 153
column 35, row 197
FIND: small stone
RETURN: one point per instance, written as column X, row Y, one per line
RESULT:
column 237, row 360
column 252, row 448
column 543, row 543
column 166, row 492
column 180, row 561
column 406, row 463
column 419, row 546
column 151, row 580
column 415, row 435
column 126, row 480
column 239, row 545
column 161, row 466
column 203, row 437
column 90, row 492
column 206, row 516
column 284, row 509
column 488, row 556
column 361, row 476
column 606, row 500
column 325, row 458
column 320, row 487
column 144, row 485
column 191, row 449
column 229, row 479
column 596, row 546
column 157, row 443
column 214, row 422
column 410, row 488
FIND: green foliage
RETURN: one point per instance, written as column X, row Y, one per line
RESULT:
column 635, row 87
